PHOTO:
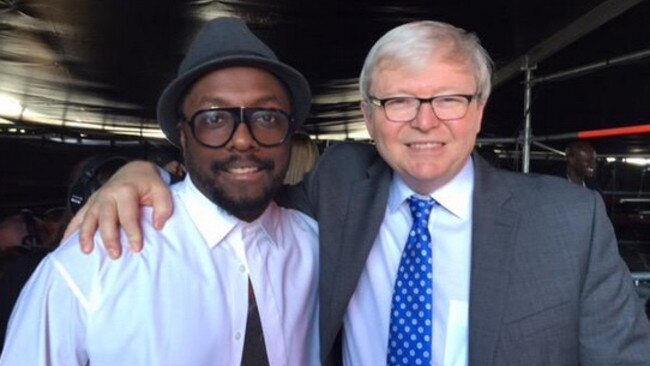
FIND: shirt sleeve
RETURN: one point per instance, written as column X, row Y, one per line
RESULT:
column 47, row 325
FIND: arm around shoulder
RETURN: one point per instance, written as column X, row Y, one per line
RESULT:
column 117, row 204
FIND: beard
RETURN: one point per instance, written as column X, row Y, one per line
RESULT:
column 244, row 206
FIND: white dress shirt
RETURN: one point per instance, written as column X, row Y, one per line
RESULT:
column 367, row 319
column 182, row 301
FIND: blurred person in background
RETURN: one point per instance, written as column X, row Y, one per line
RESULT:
column 581, row 164
column 304, row 153
column 170, row 161
column 25, row 239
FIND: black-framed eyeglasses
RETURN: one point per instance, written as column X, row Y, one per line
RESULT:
column 405, row 109
column 214, row 127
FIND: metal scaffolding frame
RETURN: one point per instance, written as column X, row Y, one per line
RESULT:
column 606, row 11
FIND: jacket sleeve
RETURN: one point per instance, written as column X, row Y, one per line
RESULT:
column 614, row 329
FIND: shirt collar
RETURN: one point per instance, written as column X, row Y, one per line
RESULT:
column 455, row 196
column 214, row 223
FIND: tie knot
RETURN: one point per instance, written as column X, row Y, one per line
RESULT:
column 421, row 208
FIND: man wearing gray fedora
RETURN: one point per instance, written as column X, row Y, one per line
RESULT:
column 232, row 278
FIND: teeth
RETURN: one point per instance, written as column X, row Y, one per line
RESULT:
column 426, row 145
column 242, row 170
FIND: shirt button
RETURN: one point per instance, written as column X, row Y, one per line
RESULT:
column 242, row 268
column 237, row 335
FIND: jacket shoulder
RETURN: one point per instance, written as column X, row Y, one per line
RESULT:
column 541, row 189
column 348, row 158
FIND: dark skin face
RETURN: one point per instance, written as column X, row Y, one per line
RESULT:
column 241, row 177
column 581, row 164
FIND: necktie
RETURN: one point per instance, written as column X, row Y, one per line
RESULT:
column 409, row 341
column 254, row 347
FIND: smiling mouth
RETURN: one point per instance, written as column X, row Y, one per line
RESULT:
column 425, row 145
column 243, row 170
column 238, row 166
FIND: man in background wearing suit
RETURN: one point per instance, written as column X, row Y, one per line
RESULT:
column 515, row 269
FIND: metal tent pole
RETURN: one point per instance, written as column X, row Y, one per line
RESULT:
column 527, row 128
column 593, row 19
column 580, row 70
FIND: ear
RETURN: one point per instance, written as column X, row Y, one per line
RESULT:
column 480, row 107
column 367, row 118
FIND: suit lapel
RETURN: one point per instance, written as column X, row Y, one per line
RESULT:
column 492, row 241
column 365, row 213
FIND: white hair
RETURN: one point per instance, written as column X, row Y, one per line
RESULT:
column 409, row 44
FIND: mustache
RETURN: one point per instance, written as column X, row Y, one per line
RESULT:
column 240, row 161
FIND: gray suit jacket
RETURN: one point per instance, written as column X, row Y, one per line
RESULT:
column 548, row 286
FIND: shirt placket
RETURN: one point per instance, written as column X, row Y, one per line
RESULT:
column 259, row 254
column 238, row 274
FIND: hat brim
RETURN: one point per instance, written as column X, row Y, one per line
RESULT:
column 168, row 104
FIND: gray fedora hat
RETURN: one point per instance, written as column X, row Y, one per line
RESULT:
column 221, row 43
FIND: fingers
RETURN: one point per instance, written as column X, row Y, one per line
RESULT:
column 100, row 212
column 118, row 203
column 108, row 228
column 162, row 205
column 84, row 222
column 88, row 218
column 128, row 215
column 74, row 224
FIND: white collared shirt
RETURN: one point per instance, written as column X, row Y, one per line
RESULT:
column 367, row 319
column 182, row 301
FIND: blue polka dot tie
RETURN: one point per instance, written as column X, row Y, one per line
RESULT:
column 409, row 341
